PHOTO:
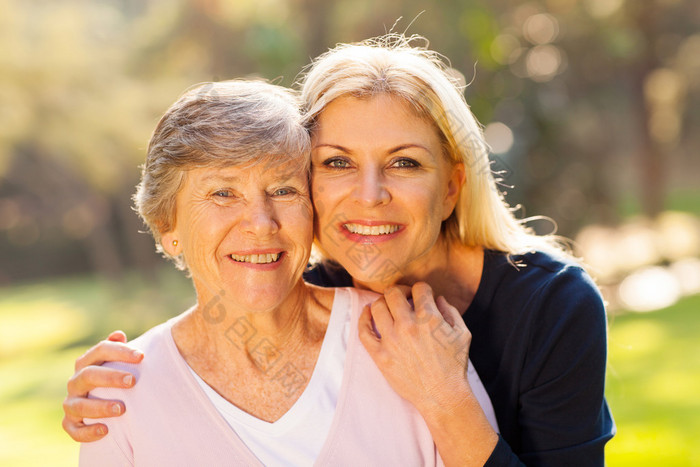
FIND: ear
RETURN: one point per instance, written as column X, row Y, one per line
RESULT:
column 454, row 188
column 171, row 244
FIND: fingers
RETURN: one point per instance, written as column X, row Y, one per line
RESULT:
column 450, row 313
column 84, row 433
column 108, row 351
column 93, row 377
column 369, row 338
column 89, row 376
column 396, row 299
column 117, row 336
column 403, row 313
column 404, row 289
column 78, row 408
column 455, row 332
column 423, row 301
column 383, row 320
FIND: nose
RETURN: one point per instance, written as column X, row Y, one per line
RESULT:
column 259, row 218
column 371, row 189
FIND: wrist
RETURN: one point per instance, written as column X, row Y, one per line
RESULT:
column 442, row 403
column 460, row 428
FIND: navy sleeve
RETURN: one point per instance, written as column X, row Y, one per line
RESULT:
column 503, row 456
column 562, row 413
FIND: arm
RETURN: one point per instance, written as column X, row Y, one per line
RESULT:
column 88, row 376
column 562, row 415
column 551, row 399
column 423, row 355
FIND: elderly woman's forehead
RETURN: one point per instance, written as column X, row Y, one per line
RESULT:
column 273, row 165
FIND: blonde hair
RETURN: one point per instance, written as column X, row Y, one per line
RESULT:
column 218, row 124
column 392, row 65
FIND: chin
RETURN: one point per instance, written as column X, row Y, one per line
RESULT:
column 381, row 273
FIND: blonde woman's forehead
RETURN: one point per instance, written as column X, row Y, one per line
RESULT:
column 382, row 109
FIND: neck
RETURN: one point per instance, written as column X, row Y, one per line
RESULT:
column 452, row 270
column 218, row 328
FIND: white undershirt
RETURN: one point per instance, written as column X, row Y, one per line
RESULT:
column 299, row 435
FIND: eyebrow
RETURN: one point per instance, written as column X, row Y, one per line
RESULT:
column 393, row 150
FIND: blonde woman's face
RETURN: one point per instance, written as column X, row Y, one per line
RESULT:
column 381, row 188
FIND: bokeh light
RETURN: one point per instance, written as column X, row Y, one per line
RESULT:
column 541, row 28
column 505, row 49
column 687, row 273
column 603, row 8
column 678, row 235
column 649, row 289
column 664, row 90
column 499, row 137
column 543, row 62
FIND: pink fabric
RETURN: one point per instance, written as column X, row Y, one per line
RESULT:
column 170, row 421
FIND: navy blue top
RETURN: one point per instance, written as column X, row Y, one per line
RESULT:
column 539, row 336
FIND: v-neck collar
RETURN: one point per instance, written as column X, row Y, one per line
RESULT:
column 342, row 305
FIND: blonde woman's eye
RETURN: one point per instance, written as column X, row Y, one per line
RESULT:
column 337, row 163
column 223, row 194
column 405, row 163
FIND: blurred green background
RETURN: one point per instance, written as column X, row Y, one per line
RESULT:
column 591, row 108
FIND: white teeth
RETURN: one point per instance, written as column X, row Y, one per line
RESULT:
column 257, row 259
column 371, row 230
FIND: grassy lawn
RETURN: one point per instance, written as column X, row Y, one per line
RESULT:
column 43, row 328
column 653, row 386
column 653, row 379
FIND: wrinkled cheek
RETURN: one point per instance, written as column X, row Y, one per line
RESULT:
column 308, row 215
column 303, row 222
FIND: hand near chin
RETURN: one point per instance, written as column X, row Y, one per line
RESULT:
column 421, row 350
column 88, row 376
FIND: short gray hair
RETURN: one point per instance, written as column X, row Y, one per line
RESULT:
column 218, row 124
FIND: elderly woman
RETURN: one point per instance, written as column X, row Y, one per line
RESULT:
column 402, row 193
column 264, row 369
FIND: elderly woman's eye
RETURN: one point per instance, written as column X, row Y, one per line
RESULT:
column 223, row 194
column 284, row 191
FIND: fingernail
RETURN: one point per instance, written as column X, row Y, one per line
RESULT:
column 128, row 380
column 101, row 430
column 137, row 353
column 117, row 409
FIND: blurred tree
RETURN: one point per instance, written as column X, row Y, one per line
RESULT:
column 77, row 134
column 581, row 100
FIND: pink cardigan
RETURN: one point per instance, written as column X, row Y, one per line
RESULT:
column 170, row 421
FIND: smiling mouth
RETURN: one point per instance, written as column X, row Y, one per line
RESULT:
column 368, row 230
column 257, row 259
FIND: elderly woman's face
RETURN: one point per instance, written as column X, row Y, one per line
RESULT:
column 245, row 231
column 381, row 187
